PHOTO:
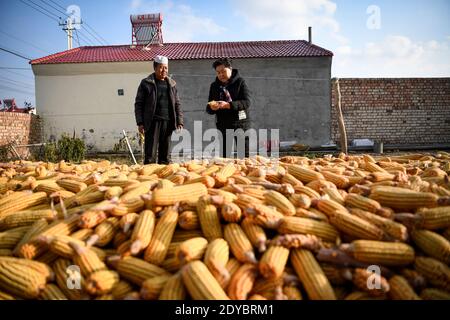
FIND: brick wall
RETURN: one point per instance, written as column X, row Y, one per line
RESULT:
column 408, row 111
column 20, row 128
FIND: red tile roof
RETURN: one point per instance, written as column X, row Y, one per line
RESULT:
column 188, row 51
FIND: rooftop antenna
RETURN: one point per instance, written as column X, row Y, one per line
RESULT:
column 146, row 29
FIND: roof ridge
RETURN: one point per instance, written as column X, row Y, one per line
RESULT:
column 55, row 55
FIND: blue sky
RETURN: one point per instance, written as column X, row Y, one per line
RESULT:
column 376, row 38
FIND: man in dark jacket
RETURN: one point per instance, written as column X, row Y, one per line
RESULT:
column 158, row 111
column 229, row 100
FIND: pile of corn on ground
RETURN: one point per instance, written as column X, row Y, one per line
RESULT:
column 336, row 227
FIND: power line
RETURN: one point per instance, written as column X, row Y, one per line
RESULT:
column 14, row 68
column 78, row 39
column 16, row 82
column 29, row 5
column 19, row 74
column 57, row 4
column 14, row 53
column 45, row 9
column 94, row 35
column 26, row 42
column 5, row 87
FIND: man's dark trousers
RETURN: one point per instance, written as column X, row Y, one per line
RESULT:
column 157, row 142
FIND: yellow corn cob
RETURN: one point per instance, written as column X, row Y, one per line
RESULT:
column 209, row 171
column 255, row 234
column 121, row 290
column 400, row 289
column 361, row 202
column 334, row 195
column 227, row 196
column 311, row 275
column 382, row 253
column 135, row 270
column 151, row 288
column 157, row 249
column 339, row 180
column 433, row 244
column 200, row 283
column 25, row 218
column 183, row 235
column 273, row 261
column 52, row 292
column 19, row 279
column 209, row 219
column 304, row 174
column 9, row 239
column 240, row 179
column 436, row 272
column 242, row 282
column 164, row 197
column 104, row 232
column 113, row 192
column 240, row 245
column 279, row 201
column 192, row 249
column 300, row 200
column 150, row 169
column 101, row 282
column 12, row 197
column 361, row 279
column 311, row 213
column 400, row 198
column 224, row 173
column 142, row 232
column 26, row 201
column 208, row 181
column 33, row 249
column 393, row 229
column 59, row 244
column 168, row 170
column 171, row 264
column 320, row 229
column 142, row 188
column 355, row 226
column 257, row 193
column 46, row 186
column 43, row 269
column 173, row 289
column 231, row 212
column 86, row 259
column 216, row 258
column 173, row 246
column 93, row 197
column 122, row 182
column 329, row 207
column 189, row 220
column 434, row 294
column 373, row 167
column 435, row 218
column 290, row 179
column 63, row 277
column 91, row 218
column 71, row 185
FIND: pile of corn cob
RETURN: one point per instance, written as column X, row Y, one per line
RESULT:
column 336, row 227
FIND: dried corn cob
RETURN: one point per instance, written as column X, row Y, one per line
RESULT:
column 372, row 283
column 433, row 244
column 401, row 290
column 242, row 282
column 142, row 232
column 157, row 249
column 191, row 249
column 216, row 258
column 151, row 288
column 437, row 273
column 304, row 174
column 273, row 261
column 355, row 226
column 52, row 292
column 86, row 259
column 71, row 185
column 173, row 289
column 209, row 219
column 383, row 253
column 188, row 220
column 255, row 234
column 240, row 245
column 322, row 230
column 26, row 201
column 361, row 202
column 183, row 235
column 400, row 198
column 104, row 232
column 200, row 283
column 224, row 173
column 329, row 207
column 113, row 192
column 9, row 239
column 101, row 282
column 135, row 270
column 121, row 290
column 435, row 218
column 164, row 197
column 311, row 275
column 69, row 279
column 279, row 201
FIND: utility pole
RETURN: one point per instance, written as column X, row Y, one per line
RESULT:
column 68, row 26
